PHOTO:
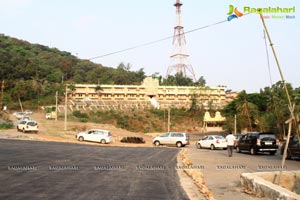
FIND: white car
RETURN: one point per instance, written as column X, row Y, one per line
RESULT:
column 28, row 126
column 25, row 118
column 212, row 142
column 19, row 115
column 172, row 138
column 95, row 135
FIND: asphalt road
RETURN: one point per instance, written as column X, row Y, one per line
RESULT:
column 222, row 173
column 43, row 170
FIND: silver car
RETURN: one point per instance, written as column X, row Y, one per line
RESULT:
column 95, row 135
column 172, row 138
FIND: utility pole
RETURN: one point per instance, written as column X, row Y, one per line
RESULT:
column 234, row 124
column 2, row 96
column 66, row 108
column 291, row 106
column 56, row 98
column 169, row 119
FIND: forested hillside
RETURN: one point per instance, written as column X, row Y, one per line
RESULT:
column 34, row 71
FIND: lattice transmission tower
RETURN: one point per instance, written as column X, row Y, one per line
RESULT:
column 179, row 59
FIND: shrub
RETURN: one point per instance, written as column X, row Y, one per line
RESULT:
column 6, row 125
column 79, row 115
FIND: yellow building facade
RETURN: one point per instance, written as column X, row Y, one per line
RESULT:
column 148, row 94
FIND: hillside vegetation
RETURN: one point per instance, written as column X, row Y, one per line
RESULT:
column 34, row 72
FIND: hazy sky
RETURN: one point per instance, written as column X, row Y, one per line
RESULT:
column 231, row 54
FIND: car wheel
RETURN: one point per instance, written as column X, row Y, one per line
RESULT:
column 272, row 153
column 238, row 150
column 198, row 145
column 103, row 141
column 24, row 130
column 80, row 139
column 212, row 147
column 252, row 151
column 157, row 143
column 179, row 144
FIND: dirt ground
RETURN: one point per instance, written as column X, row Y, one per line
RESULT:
column 289, row 180
column 51, row 130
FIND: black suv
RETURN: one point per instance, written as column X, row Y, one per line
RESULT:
column 293, row 148
column 258, row 142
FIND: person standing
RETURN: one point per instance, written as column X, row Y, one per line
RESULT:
column 230, row 143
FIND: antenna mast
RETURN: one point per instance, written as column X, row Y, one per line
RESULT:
column 179, row 59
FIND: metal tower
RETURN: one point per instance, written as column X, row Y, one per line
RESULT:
column 179, row 59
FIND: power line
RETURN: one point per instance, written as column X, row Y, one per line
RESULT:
column 157, row 41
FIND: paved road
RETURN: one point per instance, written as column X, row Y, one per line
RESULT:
column 44, row 170
column 222, row 173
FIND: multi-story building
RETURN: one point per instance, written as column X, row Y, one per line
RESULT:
column 148, row 94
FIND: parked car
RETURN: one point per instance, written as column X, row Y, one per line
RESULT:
column 28, row 112
column 172, row 138
column 212, row 142
column 257, row 142
column 51, row 115
column 19, row 115
column 293, row 148
column 25, row 118
column 28, row 126
column 95, row 135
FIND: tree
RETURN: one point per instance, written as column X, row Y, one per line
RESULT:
column 201, row 82
column 98, row 89
column 178, row 80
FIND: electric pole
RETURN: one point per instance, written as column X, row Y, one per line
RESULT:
column 2, row 96
column 66, row 108
column 56, row 97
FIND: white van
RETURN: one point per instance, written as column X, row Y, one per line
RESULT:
column 172, row 138
column 95, row 135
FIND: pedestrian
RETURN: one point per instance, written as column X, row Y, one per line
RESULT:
column 230, row 143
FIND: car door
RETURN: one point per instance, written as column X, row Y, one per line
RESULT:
column 250, row 141
column 164, row 138
column 242, row 142
column 89, row 135
column 96, row 136
column 294, row 146
column 205, row 143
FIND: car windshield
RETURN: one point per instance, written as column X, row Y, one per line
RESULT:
column 263, row 136
column 32, row 123
column 219, row 137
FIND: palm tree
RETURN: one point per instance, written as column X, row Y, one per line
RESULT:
column 245, row 108
column 98, row 89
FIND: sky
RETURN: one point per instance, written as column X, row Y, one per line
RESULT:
column 231, row 54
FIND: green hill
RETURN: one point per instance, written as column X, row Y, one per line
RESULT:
column 33, row 72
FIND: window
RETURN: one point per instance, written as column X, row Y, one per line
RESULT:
column 244, row 137
column 176, row 135
column 165, row 135
column 262, row 136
